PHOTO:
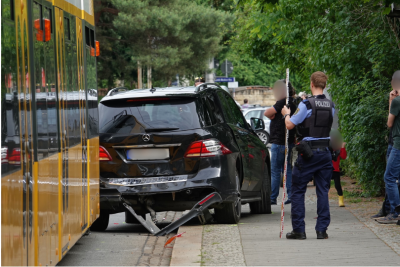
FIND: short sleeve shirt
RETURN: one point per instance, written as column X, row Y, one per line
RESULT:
column 303, row 113
column 395, row 110
column 277, row 126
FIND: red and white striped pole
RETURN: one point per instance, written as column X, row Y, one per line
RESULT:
column 286, row 160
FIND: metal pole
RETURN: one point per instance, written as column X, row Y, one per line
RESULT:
column 286, row 160
column 226, row 67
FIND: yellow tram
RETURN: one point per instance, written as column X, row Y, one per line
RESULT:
column 49, row 128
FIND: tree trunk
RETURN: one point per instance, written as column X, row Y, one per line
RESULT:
column 149, row 81
column 139, row 76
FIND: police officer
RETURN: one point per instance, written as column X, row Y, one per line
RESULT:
column 313, row 118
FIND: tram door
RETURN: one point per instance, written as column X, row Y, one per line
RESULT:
column 69, row 177
column 25, row 152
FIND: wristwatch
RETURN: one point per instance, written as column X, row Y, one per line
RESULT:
column 286, row 115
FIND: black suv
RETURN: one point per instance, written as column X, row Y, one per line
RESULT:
column 174, row 149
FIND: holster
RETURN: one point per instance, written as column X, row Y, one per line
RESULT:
column 304, row 150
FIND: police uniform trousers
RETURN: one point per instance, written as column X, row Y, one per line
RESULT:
column 320, row 166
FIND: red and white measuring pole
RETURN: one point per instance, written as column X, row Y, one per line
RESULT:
column 286, row 160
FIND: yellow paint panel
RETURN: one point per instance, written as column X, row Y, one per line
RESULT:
column 72, row 218
column 12, row 252
column 93, row 176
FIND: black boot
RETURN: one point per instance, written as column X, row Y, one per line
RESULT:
column 397, row 209
column 295, row 235
column 322, row 235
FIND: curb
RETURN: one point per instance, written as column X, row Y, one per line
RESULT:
column 187, row 249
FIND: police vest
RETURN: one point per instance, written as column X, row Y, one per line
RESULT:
column 319, row 124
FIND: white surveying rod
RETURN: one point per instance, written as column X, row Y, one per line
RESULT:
column 286, row 159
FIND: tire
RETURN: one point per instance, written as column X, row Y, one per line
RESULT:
column 263, row 206
column 231, row 212
column 101, row 223
column 264, row 136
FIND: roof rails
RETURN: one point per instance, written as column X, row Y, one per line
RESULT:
column 205, row 86
column 117, row 90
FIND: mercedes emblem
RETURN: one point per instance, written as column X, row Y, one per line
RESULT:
column 146, row 137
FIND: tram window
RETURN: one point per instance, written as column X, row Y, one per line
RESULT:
column 47, row 14
column 92, row 44
column 50, row 81
column 38, row 21
column 91, row 87
column 71, row 78
column 39, row 76
column 10, row 129
column 7, row 9
column 87, row 36
column 67, row 29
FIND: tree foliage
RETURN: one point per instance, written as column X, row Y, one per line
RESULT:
column 348, row 39
column 171, row 36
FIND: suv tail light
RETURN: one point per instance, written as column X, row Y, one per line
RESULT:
column 15, row 157
column 206, row 148
column 104, row 155
column 4, row 155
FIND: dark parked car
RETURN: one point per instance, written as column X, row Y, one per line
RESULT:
column 174, row 149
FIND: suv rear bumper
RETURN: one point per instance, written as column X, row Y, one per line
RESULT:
column 175, row 192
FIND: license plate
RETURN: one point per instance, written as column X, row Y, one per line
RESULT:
column 147, row 153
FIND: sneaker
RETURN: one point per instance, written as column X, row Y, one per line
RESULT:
column 390, row 219
column 380, row 214
column 288, row 201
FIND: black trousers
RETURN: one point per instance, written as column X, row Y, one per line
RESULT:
column 338, row 186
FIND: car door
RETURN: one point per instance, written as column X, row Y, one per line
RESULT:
column 238, row 124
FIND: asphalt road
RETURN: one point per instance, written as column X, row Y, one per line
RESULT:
column 121, row 244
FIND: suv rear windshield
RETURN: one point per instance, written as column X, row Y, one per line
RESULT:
column 124, row 116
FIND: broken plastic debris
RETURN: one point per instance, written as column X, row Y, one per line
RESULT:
column 172, row 239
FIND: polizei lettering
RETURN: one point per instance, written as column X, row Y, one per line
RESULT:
column 323, row 104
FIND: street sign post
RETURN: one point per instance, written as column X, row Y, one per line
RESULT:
column 233, row 85
column 225, row 79
column 216, row 63
column 226, row 68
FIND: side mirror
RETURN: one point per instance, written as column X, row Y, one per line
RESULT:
column 257, row 124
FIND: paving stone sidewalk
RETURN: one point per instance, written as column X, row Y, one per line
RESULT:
column 350, row 243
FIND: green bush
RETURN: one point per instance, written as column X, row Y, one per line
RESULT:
column 352, row 42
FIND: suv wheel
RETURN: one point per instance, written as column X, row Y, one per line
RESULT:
column 230, row 212
column 101, row 223
column 263, row 206
column 264, row 136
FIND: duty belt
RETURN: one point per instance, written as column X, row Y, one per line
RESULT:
column 318, row 144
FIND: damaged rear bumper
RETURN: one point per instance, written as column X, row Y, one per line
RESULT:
column 197, row 210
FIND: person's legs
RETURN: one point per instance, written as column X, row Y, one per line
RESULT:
column 386, row 205
column 276, row 168
column 322, row 181
column 338, row 186
column 391, row 175
column 289, row 173
column 300, row 177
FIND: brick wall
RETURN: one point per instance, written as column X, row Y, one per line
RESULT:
column 260, row 95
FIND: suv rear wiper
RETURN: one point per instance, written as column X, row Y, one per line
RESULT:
column 161, row 129
column 120, row 114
